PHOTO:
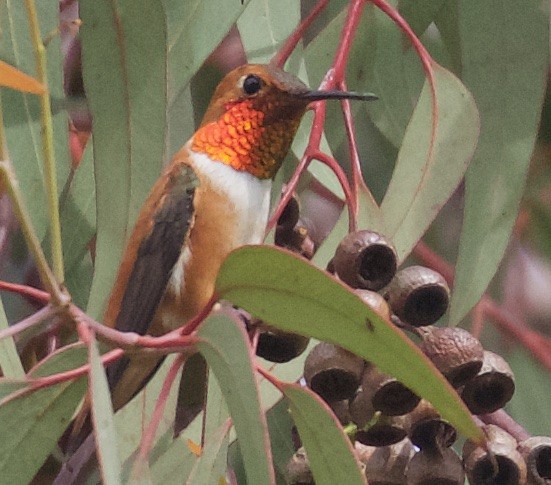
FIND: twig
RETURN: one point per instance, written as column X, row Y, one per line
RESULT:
column 504, row 421
column 47, row 143
column 149, row 434
column 31, row 321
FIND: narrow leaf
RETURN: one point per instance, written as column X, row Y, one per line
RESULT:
column 505, row 64
column 429, row 170
column 102, row 416
column 210, row 467
column 22, row 112
column 329, row 450
column 224, row 344
column 11, row 77
column 124, row 68
column 31, row 425
column 290, row 294
column 10, row 363
column 264, row 26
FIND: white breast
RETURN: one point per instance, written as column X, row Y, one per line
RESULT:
column 248, row 195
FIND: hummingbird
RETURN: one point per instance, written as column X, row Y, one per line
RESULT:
column 213, row 197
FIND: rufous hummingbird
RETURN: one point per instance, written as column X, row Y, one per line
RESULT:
column 212, row 198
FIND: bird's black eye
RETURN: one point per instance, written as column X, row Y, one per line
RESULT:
column 252, row 84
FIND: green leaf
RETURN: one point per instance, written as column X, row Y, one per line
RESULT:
column 224, row 344
column 388, row 73
column 78, row 212
column 21, row 112
column 280, row 426
column 290, row 294
column 264, row 26
column 419, row 14
column 211, row 465
column 195, row 28
column 171, row 459
column 423, row 180
column 78, row 227
column 533, row 388
column 131, row 420
column 102, row 417
column 124, row 69
column 31, row 425
column 505, row 65
column 10, row 363
column 329, row 450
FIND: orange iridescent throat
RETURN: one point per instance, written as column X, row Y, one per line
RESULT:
column 242, row 139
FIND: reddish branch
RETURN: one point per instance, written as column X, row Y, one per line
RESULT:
column 149, row 435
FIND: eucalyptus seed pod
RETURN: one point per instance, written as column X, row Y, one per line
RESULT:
column 385, row 465
column 289, row 216
column 278, row 346
column 365, row 259
column 536, row 452
column 385, row 393
column 375, row 301
column 492, row 388
column 341, row 410
column 297, row 240
column 498, row 464
column 418, row 295
column 454, row 351
column 298, row 470
column 332, row 372
column 431, row 467
column 427, row 430
column 382, row 431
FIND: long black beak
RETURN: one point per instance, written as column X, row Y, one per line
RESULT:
column 336, row 94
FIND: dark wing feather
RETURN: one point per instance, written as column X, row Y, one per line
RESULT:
column 157, row 255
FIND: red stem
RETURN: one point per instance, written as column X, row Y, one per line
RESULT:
column 353, row 18
column 149, row 434
column 504, row 421
column 341, row 176
column 424, row 55
column 270, row 378
column 31, row 321
column 26, row 291
column 41, row 382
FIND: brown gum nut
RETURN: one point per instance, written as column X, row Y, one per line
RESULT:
column 430, row 467
column 536, row 451
column 454, row 351
column 341, row 410
column 385, row 431
column 298, row 470
column 297, row 240
column 426, row 429
column 375, row 301
column 386, row 393
column 277, row 346
column 499, row 464
column 332, row 372
column 492, row 388
column 365, row 259
column 418, row 295
column 361, row 408
column 290, row 215
column 385, row 465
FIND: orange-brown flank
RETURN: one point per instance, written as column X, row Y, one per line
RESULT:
column 240, row 138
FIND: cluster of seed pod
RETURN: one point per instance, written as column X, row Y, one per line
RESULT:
column 401, row 438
